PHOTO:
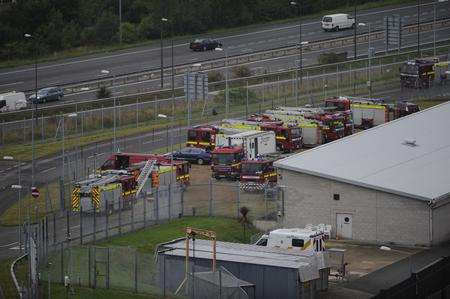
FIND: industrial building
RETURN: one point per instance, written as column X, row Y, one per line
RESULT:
column 258, row 271
column 388, row 184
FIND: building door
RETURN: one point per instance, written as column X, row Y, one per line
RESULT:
column 344, row 226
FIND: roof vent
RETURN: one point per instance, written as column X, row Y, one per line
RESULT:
column 410, row 142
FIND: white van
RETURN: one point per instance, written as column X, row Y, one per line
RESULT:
column 12, row 101
column 309, row 238
column 337, row 22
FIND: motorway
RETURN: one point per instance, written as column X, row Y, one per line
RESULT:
column 242, row 42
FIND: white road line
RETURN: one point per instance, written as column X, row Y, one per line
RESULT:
column 47, row 170
column 10, row 244
column 15, row 83
column 150, row 141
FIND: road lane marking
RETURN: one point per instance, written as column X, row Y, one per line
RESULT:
column 150, row 141
column 75, row 226
column 47, row 170
column 8, row 245
column 15, row 83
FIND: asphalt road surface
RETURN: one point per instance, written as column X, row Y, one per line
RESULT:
column 245, row 41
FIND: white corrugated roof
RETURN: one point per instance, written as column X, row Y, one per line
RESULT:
column 379, row 159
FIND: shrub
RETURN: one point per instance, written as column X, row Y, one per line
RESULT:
column 242, row 71
column 103, row 92
column 215, row 76
column 327, row 58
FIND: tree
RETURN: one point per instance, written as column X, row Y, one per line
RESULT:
column 129, row 33
column 107, row 28
column 103, row 92
column 243, row 220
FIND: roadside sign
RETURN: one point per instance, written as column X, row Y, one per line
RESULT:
column 35, row 192
column 393, row 31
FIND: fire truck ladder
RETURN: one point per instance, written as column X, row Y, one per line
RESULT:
column 143, row 176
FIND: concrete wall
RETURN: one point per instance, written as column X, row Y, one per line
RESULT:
column 441, row 223
column 377, row 216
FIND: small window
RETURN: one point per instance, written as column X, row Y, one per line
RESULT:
column 297, row 243
column 2, row 103
column 262, row 242
column 336, row 196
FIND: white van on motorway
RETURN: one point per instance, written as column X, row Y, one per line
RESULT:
column 12, row 101
column 337, row 22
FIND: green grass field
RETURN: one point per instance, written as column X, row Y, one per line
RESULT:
column 145, row 240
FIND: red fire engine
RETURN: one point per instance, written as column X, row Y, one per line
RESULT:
column 202, row 137
column 226, row 162
column 332, row 125
column 417, row 73
column 256, row 173
column 130, row 162
column 288, row 138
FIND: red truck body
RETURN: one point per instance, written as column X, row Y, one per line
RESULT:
column 258, row 172
column 202, row 137
column 288, row 138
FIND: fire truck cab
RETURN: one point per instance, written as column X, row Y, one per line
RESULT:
column 226, row 162
column 202, row 137
column 417, row 73
column 258, row 172
column 288, row 138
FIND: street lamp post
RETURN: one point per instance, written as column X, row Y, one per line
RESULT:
column 63, row 127
column 227, row 104
column 434, row 24
column 171, row 118
column 17, row 187
column 354, row 31
column 299, row 72
column 369, row 56
column 107, row 72
column 33, row 111
column 163, row 20
column 120, row 21
column 418, row 28
column 188, row 98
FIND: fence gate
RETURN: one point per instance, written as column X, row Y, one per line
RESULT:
column 101, row 267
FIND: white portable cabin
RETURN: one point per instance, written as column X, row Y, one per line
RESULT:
column 12, row 101
column 255, row 143
column 379, row 113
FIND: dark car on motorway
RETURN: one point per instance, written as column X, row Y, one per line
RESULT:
column 204, row 44
column 47, row 94
column 193, row 155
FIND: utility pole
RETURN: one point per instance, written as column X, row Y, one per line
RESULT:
column 418, row 28
column 120, row 21
column 354, row 32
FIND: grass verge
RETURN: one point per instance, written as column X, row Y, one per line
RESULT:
column 227, row 229
column 59, row 291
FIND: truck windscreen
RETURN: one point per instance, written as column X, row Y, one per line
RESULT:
column 251, row 168
column 409, row 69
column 224, row 159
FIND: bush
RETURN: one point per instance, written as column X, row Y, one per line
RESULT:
column 129, row 33
column 237, row 97
column 242, row 71
column 327, row 58
column 103, row 92
column 215, row 76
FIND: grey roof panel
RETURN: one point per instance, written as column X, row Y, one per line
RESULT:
column 379, row 158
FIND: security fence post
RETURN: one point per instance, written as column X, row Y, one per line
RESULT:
column 62, row 261
column 144, row 203
column 68, row 225
column 106, row 218
column 238, row 199
column 210, row 188
column 94, row 224
column 132, row 214
column 135, row 271
column 54, row 228
column 81, row 225
column 157, row 205
column 108, row 266
column 120, row 216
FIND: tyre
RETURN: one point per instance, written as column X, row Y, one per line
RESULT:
column 353, row 26
column 336, row 28
column 59, row 98
column 204, row 48
column 200, row 161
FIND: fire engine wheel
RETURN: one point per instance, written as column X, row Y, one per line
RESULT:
column 200, row 161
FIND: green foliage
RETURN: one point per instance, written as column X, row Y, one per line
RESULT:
column 103, row 92
column 327, row 58
column 227, row 229
column 65, row 24
column 215, row 76
column 242, row 71
column 237, row 96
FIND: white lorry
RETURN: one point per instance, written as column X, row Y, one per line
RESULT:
column 254, row 143
column 337, row 22
column 12, row 101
